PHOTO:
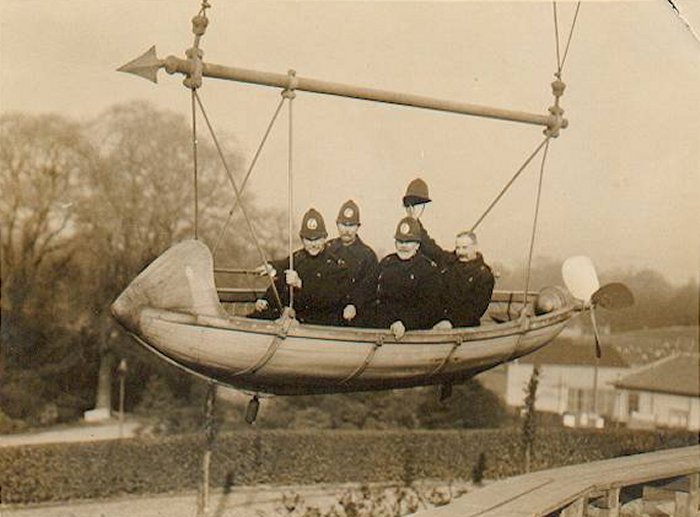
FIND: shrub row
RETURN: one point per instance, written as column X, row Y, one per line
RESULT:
column 55, row 472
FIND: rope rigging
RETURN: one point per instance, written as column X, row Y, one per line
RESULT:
column 193, row 81
column 248, row 173
column 236, row 189
column 290, row 94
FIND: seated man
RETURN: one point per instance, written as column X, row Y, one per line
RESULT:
column 467, row 282
column 314, row 279
column 360, row 262
column 408, row 289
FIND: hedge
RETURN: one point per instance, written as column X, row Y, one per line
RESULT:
column 59, row 472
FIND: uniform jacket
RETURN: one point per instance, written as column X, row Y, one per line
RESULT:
column 467, row 286
column 318, row 301
column 428, row 246
column 409, row 291
column 467, row 289
column 361, row 264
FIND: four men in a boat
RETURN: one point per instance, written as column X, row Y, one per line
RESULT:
column 340, row 282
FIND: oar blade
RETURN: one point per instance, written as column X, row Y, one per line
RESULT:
column 613, row 296
column 580, row 277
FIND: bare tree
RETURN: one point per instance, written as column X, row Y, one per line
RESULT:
column 42, row 161
column 140, row 200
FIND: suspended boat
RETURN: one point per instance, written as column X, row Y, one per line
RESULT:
column 174, row 309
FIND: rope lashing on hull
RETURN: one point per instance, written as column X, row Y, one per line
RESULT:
column 368, row 359
column 446, row 359
column 285, row 325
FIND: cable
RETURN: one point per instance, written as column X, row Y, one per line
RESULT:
column 534, row 224
column 245, row 179
column 238, row 196
column 515, row 176
column 194, row 155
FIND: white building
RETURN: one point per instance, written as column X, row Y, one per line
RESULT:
column 566, row 380
column 662, row 394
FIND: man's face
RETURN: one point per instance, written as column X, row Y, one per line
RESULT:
column 314, row 246
column 347, row 233
column 465, row 248
column 407, row 249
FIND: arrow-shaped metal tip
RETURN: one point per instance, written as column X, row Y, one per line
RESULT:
column 146, row 65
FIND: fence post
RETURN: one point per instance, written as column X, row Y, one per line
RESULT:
column 693, row 498
column 575, row 509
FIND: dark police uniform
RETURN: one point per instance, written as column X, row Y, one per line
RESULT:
column 467, row 288
column 318, row 301
column 428, row 246
column 360, row 264
column 408, row 291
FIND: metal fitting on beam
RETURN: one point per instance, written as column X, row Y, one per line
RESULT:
column 194, row 78
column 556, row 121
column 289, row 91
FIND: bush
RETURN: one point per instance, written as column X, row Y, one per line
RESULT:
column 56, row 472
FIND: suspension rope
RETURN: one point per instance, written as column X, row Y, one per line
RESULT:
column 261, row 251
column 194, row 156
column 534, row 224
column 515, row 176
column 556, row 36
column 562, row 59
column 571, row 33
column 290, row 94
column 248, row 173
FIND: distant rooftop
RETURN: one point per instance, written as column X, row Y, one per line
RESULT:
column 676, row 375
column 566, row 352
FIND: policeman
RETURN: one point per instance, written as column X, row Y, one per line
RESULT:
column 360, row 262
column 408, row 290
column 467, row 282
column 414, row 201
column 314, row 279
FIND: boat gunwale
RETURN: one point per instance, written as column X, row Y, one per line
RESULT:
column 365, row 335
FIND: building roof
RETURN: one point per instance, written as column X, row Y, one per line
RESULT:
column 676, row 375
column 565, row 352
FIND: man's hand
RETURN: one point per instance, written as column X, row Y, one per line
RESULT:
column 398, row 329
column 415, row 211
column 443, row 325
column 266, row 269
column 261, row 305
column 293, row 278
column 349, row 312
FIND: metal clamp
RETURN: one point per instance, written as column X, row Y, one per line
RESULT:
column 556, row 120
column 289, row 91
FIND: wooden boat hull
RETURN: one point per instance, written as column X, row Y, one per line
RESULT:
column 191, row 329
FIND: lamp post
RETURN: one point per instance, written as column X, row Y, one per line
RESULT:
column 121, row 371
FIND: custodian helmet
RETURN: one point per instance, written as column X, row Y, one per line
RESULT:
column 349, row 213
column 312, row 226
column 407, row 230
column 416, row 193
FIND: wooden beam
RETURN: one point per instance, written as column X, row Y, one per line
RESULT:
column 175, row 65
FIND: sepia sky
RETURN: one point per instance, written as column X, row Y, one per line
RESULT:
column 622, row 183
